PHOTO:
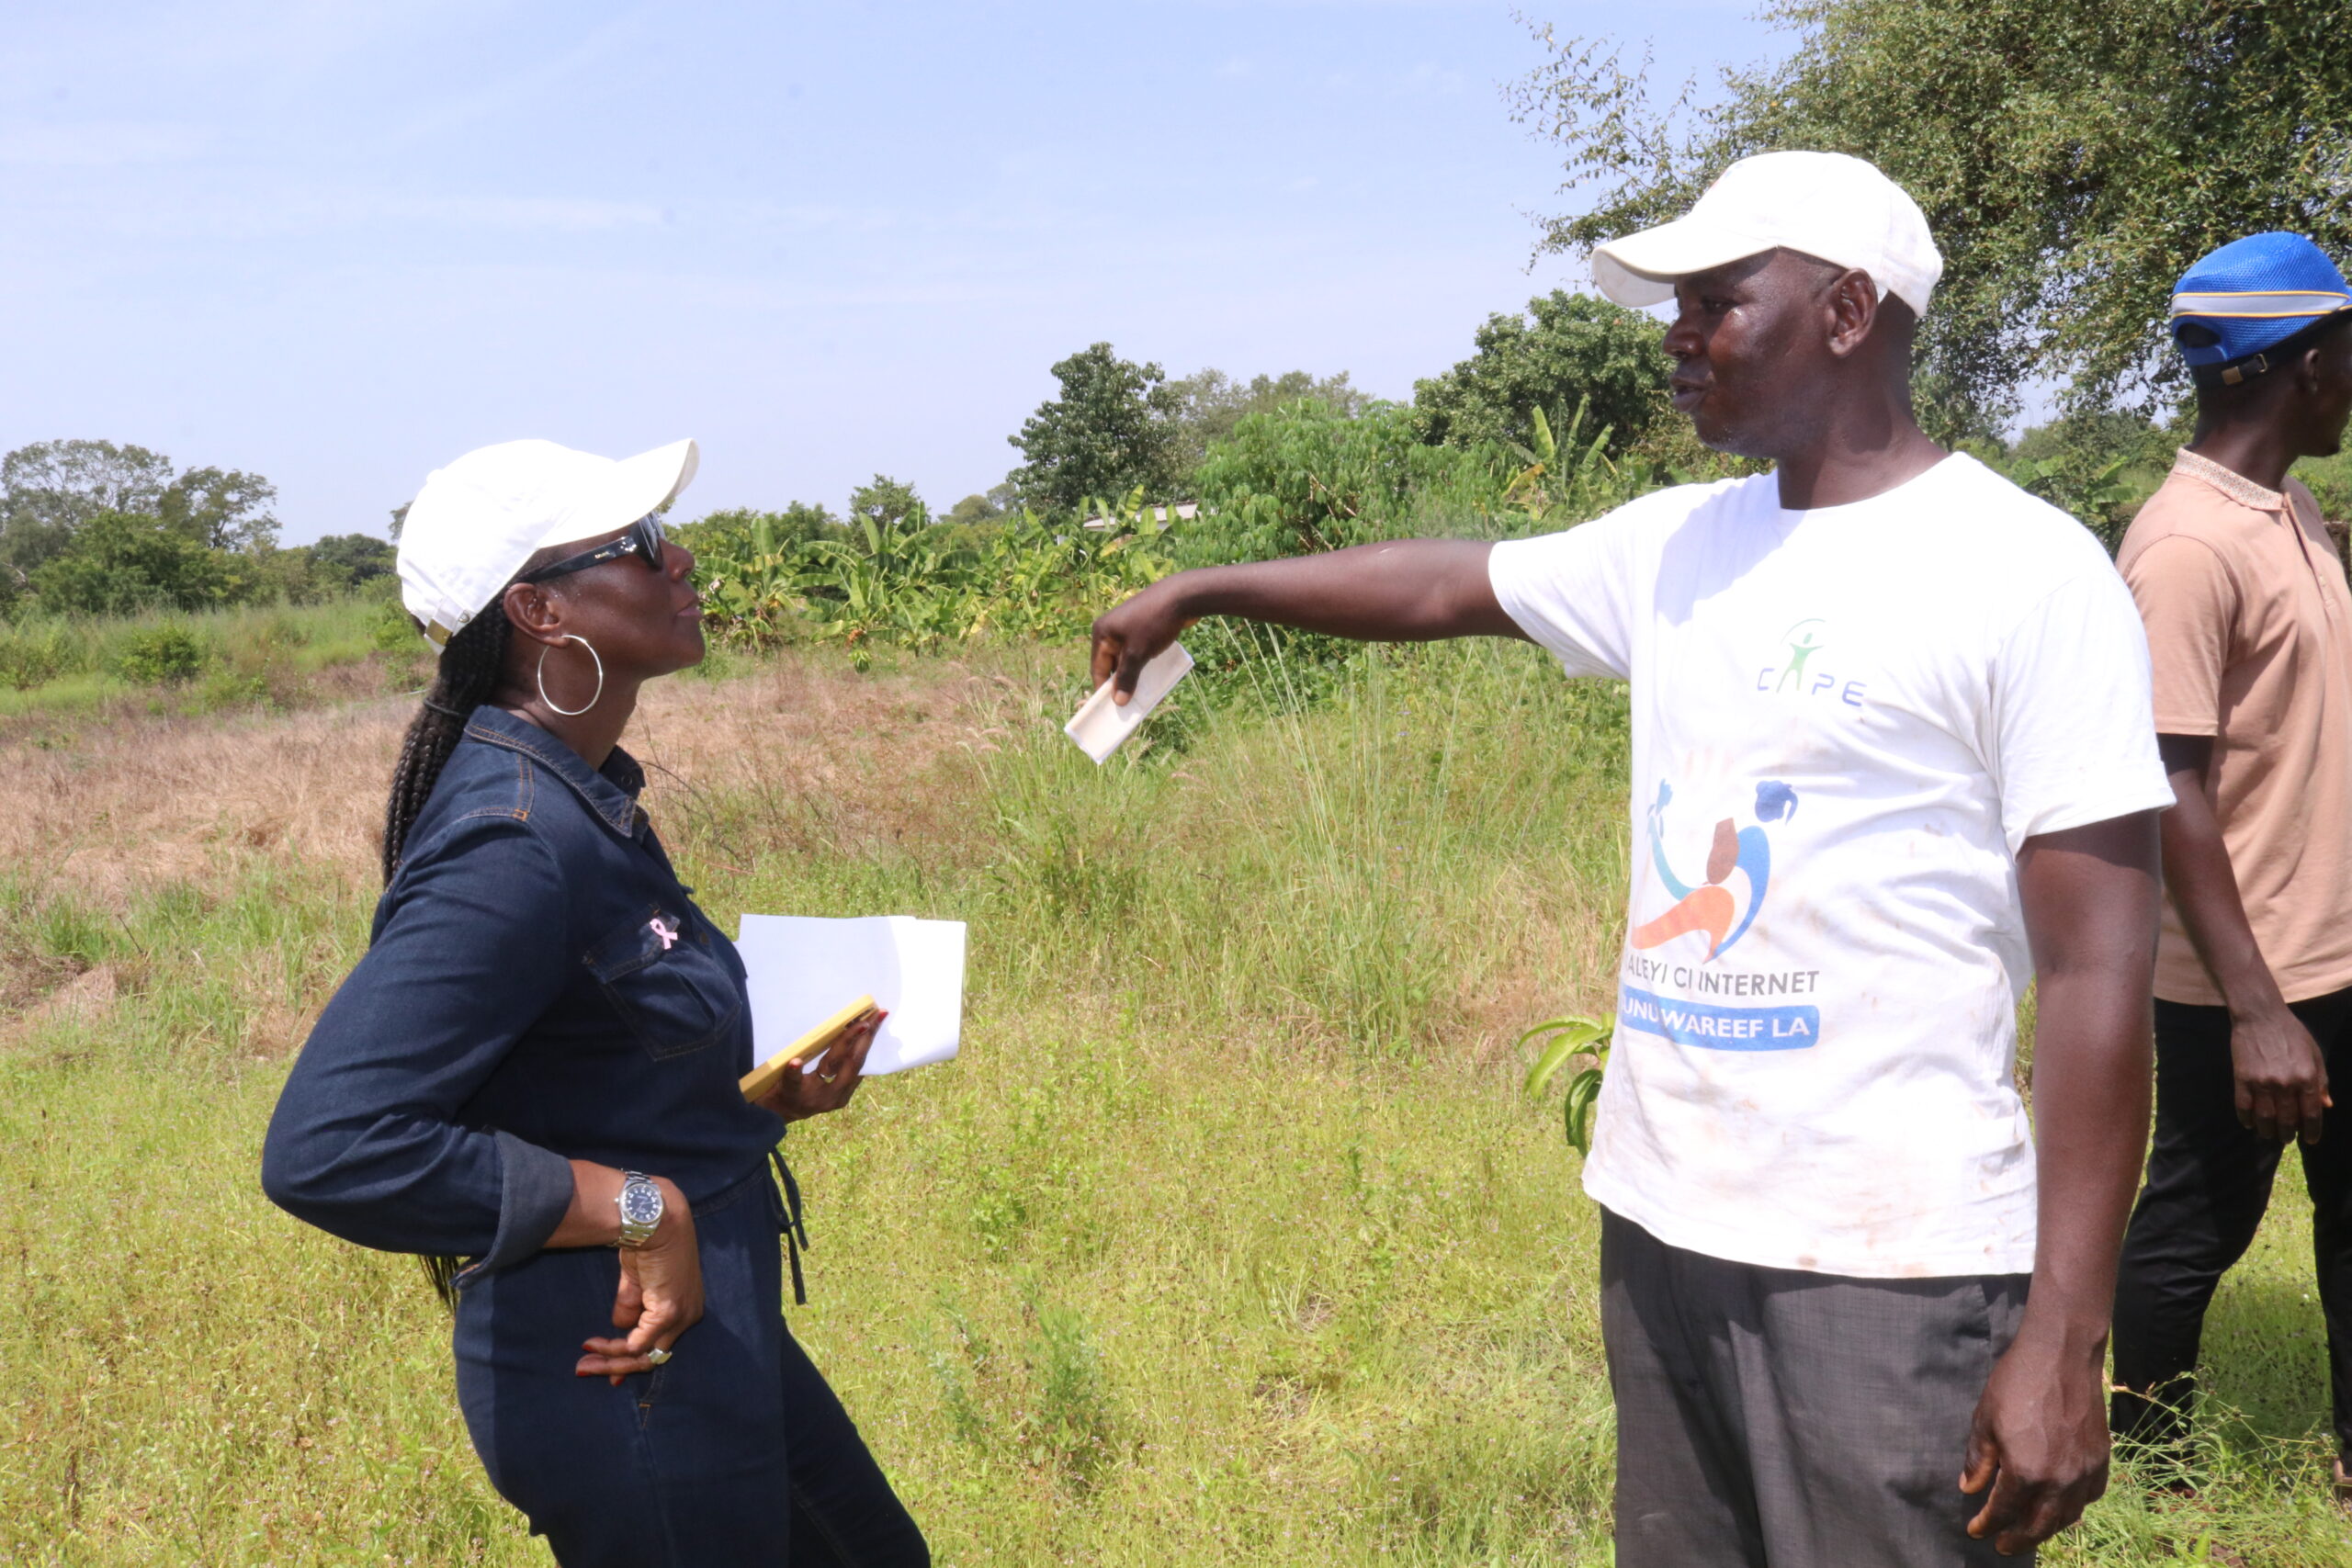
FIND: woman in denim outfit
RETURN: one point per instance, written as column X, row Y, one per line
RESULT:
column 534, row 1069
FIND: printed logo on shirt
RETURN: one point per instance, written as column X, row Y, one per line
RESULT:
column 1797, row 672
column 1721, row 909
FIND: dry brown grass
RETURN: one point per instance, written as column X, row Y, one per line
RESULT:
column 111, row 810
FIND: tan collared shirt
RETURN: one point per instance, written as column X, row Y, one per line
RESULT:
column 2250, row 629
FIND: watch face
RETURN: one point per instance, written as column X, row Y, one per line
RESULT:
column 641, row 1203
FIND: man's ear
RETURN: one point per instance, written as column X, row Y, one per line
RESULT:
column 1853, row 306
column 533, row 611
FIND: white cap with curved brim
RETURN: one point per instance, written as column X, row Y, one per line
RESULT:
column 1828, row 205
column 476, row 522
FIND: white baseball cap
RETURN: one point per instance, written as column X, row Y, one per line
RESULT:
column 476, row 522
column 1822, row 204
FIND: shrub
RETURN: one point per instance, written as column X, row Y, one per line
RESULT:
column 121, row 563
column 30, row 657
column 162, row 655
column 1306, row 478
column 394, row 632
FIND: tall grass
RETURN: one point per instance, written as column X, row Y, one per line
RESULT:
column 1229, row 1238
column 210, row 659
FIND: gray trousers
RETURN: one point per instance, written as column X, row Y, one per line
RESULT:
column 1774, row 1419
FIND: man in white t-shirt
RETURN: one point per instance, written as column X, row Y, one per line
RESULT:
column 1893, row 756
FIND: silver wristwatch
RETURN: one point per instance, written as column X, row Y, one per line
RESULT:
column 641, row 1207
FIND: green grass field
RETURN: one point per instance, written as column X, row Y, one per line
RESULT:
column 1229, row 1238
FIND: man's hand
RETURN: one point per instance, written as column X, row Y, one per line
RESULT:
column 660, row 1295
column 2039, row 1441
column 2282, row 1076
column 1403, row 591
column 1134, row 633
column 2039, row 1437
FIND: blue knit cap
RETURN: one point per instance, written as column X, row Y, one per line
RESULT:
column 2254, row 293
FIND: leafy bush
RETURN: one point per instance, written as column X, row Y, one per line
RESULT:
column 162, row 655
column 122, row 562
column 2330, row 480
column 1306, row 478
column 394, row 632
column 32, row 655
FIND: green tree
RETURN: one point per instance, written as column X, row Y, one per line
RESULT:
column 358, row 557
column 1210, row 403
column 1111, row 430
column 223, row 509
column 49, row 489
column 2073, row 157
column 123, row 562
column 1576, row 350
column 972, row 509
column 2100, row 464
column 886, row 502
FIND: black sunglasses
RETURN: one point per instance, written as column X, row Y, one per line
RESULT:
column 643, row 540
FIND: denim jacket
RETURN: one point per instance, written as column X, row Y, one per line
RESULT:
column 539, row 987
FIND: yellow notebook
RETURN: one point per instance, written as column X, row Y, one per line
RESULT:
column 770, row 1073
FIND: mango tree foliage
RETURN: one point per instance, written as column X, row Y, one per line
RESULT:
column 2073, row 157
column 1111, row 430
column 1567, row 350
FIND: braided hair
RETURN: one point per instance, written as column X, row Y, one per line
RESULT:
column 469, row 673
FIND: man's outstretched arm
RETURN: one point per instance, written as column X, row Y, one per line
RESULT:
column 2091, row 913
column 1408, row 590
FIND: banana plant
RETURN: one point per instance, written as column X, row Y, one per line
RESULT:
column 1567, row 479
column 755, row 595
column 1562, row 1039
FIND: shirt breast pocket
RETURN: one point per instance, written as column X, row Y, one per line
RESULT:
column 666, row 979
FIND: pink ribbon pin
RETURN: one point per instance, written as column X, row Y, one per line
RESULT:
column 669, row 935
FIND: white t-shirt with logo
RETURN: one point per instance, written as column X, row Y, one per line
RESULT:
column 1845, row 723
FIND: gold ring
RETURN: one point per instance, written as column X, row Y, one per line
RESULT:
column 827, row 1077
column 656, row 1357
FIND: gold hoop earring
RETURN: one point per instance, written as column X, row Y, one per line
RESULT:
column 541, row 676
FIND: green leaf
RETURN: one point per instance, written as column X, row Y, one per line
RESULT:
column 1569, row 1036
column 1584, row 1095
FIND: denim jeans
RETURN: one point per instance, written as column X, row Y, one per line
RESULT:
column 734, row 1454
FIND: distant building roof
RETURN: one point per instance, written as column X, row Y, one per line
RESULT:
column 1184, row 514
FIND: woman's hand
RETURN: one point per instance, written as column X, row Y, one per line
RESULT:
column 799, row 1096
column 660, row 1296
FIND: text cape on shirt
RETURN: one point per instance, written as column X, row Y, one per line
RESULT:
column 1845, row 722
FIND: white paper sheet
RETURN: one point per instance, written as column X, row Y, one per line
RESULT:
column 1100, row 724
column 803, row 970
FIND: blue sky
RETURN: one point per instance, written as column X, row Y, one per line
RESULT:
column 340, row 241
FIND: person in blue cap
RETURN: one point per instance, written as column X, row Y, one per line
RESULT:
column 2249, row 622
